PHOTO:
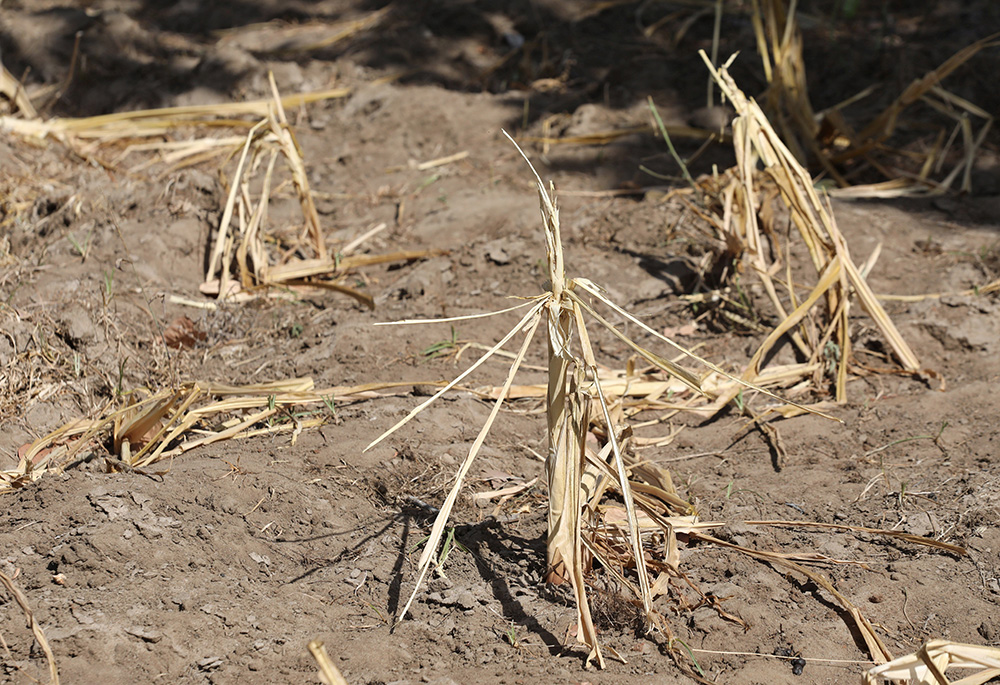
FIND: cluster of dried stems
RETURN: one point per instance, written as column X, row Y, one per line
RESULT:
column 149, row 427
column 303, row 263
column 581, row 528
column 636, row 543
column 843, row 152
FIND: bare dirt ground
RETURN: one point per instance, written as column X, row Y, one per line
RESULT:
column 222, row 564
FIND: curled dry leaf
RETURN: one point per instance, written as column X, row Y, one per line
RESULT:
column 182, row 332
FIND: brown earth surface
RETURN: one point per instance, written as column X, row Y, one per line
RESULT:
column 219, row 566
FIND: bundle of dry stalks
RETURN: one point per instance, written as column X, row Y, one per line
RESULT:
column 239, row 261
column 815, row 319
column 740, row 207
column 241, row 265
column 842, row 151
column 635, row 538
column 151, row 427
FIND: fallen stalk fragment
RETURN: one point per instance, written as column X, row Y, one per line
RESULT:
column 36, row 629
column 171, row 422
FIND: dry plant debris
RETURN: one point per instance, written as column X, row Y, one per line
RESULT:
column 33, row 625
column 249, row 258
column 746, row 226
column 104, row 129
column 634, row 541
column 740, row 208
column 151, row 427
column 927, row 666
column 241, row 248
column 240, row 265
column 840, row 150
column 826, row 139
column 11, row 88
column 281, row 38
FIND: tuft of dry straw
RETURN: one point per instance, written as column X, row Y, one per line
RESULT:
column 240, row 262
column 779, row 43
column 155, row 122
column 840, row 282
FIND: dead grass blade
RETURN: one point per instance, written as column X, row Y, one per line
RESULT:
column 215, row 260
column 927, row 665
column 33, row 624
column 154, row 122
column 607, row 137
column 908, row 537
column 630, row 501
column 431, row 545
column 679, row 372
column 884, row 190
column 466, row 317
column 525, row 320
column 872, row 306
column 293, row 153
column 876, row 648
column 568, row 416
column 740, row 382
column 276, row 39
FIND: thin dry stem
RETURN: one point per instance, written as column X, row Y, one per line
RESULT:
column 431, row 545
column 33, row 624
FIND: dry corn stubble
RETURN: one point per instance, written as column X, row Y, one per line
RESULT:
column 240, row 262
column 739, row 208
column 581, row 528
column 818, row 322
column 836, row 145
